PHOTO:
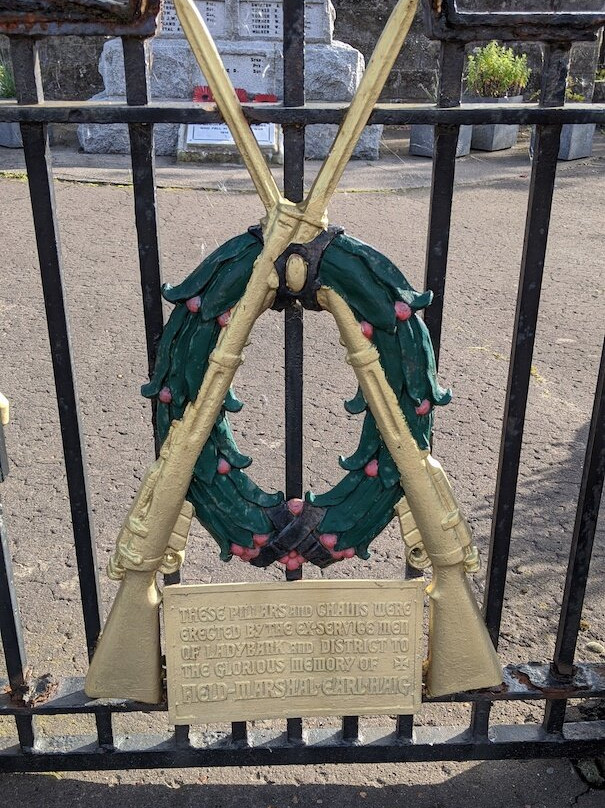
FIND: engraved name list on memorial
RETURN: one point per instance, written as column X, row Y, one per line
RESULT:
column 252, row 651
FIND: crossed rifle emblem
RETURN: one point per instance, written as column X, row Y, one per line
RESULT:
column 461, row 655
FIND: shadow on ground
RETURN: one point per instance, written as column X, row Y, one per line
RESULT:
column 515, row 784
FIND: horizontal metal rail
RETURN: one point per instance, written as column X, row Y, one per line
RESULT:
column 520, row 682
column 79, row 753
column 387, row 114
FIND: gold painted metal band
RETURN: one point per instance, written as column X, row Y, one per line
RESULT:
column 4, row 410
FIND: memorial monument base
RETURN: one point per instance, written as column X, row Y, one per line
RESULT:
column 333, row 73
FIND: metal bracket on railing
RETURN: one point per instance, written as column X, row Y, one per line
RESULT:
column 443, row 20
column 79, row 17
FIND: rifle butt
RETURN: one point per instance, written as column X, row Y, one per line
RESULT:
column 461, row 653
column 127, row 661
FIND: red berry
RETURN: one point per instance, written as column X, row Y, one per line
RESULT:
column 194, row 304
column 301, row 559
column 237, row 550
column 253, row 553
column 403, row 312
column 292, row 564
column 224, row 318
column 367, row 329
column 338, row 554
column 260, row 539
column 165, row 395
column 371, row 468
column 223, row 467
column 284, row 559
column 424, row 407
column 349, row 552
column 329, row 540
column 292, row 553
column 295, row 506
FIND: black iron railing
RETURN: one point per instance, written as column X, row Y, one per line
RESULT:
column 555, row 683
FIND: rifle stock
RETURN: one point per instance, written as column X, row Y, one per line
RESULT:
column 461, row 653
column 127, row 660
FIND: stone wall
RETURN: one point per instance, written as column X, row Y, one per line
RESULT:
column 70, row 66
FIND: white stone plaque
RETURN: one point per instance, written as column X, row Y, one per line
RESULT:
column 218, row 134
column 213, row 12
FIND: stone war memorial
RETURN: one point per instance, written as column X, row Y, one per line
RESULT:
column 248, row 35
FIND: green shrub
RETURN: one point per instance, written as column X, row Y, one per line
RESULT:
column 7, row 81
column 495, row 71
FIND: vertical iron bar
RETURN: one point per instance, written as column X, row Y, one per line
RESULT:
column 142, row 153
column 451, row 64
column 11, row 629
column 24, row 53
column 294, row 173
column 239, row 733
column 350, row 728
column 541, row 190
column 591, row 489
column 142, row 156
column 405, row 728
column 181, row 736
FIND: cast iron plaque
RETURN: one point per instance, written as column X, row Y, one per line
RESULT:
column 241, row 652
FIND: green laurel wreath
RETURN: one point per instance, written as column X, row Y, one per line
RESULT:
column 227, row 502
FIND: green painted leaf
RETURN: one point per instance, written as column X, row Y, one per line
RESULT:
column 370, row 524
column 232, row 402
column 369, row 442
column 202, row 342
column 175, row 379
column 339, row 493
column 349, row 276
column 241, row 511
column 387, row 470
column 357, row 404
column 205, row 466
column 163, row 420
column 383, row 270
column 419, row 300
column 226, row 288
column 162, row 362
column 419, row 363
column 251, row 492
column 226, row 445
column 343, row 516
column 220, row 528
column 437, row 395
column 195, row 283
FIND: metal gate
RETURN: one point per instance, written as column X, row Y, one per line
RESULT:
column 554, row 684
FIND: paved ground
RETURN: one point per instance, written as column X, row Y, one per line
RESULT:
column 385, row 204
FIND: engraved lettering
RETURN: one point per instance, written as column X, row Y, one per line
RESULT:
column 251, row 651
